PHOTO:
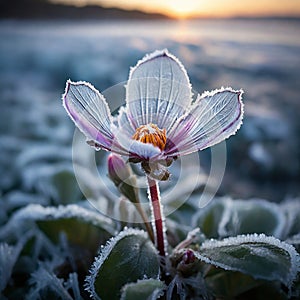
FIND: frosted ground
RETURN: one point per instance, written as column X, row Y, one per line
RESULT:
column 262, row 57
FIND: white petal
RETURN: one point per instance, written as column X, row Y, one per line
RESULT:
column 89, row 111
column 213, row 117
column 144, row 151
column 134, row 149
column 124, row 123
column 158, row 90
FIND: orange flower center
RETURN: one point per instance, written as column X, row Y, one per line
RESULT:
column 151, row 134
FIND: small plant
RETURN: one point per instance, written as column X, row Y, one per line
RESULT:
column 229, row 249
column 159, row 123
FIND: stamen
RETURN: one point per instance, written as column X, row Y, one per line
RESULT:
column 151, row 134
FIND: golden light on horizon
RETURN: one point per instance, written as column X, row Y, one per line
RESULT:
column 183, row 9
column 192, row 8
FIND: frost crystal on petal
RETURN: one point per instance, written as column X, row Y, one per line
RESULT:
column 212, row 118
column 89, row 111
column 158, row 90
column 135, row 149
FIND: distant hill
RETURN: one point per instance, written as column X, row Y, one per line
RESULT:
column 42, row 9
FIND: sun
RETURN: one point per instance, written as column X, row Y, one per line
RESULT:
column 183, row 9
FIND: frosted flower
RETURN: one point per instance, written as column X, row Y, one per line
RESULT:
column 160, row 120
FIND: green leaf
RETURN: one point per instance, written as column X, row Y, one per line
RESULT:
column 78, row 231
column 226, row 217
column 66, row 187
column 227, row 285
column 267, row 290
column 56, row 181
column 183, row 213
column 269, row 219
column 291, row 209
column 81, row 226
column 143, row 289
column 295, row 241
column 126, row 258
column 260, row 256
column 176, row 232
column 209, row 218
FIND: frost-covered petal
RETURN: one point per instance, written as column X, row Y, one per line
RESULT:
column 89, row 111
column 158, row 90
column 213, row 117
column 133, row 148
column 123, row 122
column 143, row 151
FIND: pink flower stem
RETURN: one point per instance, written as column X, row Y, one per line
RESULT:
column 157, row 216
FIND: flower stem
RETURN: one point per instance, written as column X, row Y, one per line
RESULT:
column 145, row 220
column 157, row 216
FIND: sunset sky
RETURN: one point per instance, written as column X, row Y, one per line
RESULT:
column 185, row 8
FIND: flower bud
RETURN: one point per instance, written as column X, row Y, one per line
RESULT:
column 118, row 171
column 121, row 175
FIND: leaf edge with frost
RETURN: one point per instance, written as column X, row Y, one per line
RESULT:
column 252, row 238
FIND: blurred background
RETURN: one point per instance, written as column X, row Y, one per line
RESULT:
column 253, row 45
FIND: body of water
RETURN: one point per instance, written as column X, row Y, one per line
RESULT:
column 259, row 56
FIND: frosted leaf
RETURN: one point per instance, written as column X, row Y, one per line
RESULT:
column 176, row 285
column 158, row 90
column 16, row 199
column 261, row 256
column 8, row 258
column 177, row 231
column 99, row 188
column 26, row 217
column 150, row 289
column 255, row 216
column 44, row 179
column 72, row 284
column 43, row 280
column 129, row 250
column 10, row 149
column 211, row 219
column 226, row 217
column 41, row 153
column 291, row 208
column 182, row 286
column 189, row 181
column 295, row 241
column 66, row 186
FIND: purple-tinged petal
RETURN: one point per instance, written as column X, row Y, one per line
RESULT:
column 158, row 91
column 213, row 117
column 124, row 123
column 89, row 111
